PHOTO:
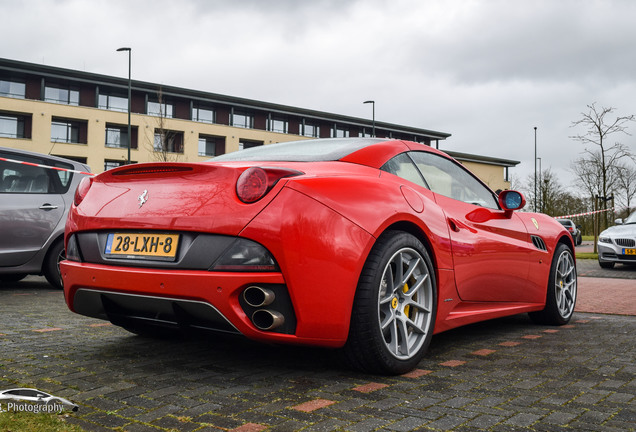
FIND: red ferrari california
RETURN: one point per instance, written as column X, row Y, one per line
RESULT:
column 363, row 244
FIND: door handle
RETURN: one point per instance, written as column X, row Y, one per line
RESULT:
column 48, row 206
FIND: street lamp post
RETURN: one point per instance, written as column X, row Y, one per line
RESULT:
column 541, row 192
column 535, row 168
column 373, row 104
column 129, row 97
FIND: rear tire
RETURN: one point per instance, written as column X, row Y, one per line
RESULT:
column 561, row 292
column 51, row 267
column 394, row 308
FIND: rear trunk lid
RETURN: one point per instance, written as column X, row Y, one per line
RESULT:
column 169, row 196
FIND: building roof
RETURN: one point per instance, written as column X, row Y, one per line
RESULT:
column 19, row 67
column 466, row 157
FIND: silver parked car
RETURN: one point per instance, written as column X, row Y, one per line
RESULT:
column 617, row 244
column 34, row 203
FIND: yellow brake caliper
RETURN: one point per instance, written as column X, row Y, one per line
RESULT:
column 407, row 308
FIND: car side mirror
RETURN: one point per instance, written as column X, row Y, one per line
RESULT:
column 511, row 200
column 618, row 221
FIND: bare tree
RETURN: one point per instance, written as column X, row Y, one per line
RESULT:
column 166, row 144
column 600, row 165
column 626, row 186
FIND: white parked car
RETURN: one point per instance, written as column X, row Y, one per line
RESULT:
column 617, row 244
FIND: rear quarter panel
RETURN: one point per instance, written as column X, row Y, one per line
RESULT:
column 321, row 231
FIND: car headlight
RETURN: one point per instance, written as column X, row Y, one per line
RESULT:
column 604, row 240
column 245, row 255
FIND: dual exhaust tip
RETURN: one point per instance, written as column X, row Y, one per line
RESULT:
column 263, row 319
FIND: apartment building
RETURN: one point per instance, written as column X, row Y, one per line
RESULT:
column 84, row 116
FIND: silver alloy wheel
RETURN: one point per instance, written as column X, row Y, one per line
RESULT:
column 565, row 284
column 405, row 303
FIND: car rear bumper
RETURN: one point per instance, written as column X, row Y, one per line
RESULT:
column 185, row 299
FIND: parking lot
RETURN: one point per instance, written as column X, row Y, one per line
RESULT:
column 502, row 375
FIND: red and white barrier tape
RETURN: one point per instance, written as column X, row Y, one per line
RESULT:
column 45, row 166
column 583, row 214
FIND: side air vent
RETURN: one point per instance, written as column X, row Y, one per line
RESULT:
column 539, row 243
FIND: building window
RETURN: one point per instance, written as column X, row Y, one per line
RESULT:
column 167, row 141
column 110, row 164
column 311, row 130
column 245, row 144
column 116, row 136
column 242, row 120
column 366, row 133
column 113, row 103
column 12, row 126
column 12, row 89
column 211, row 145
column 61, row 95
column 65, row 131
column 339, row 132
column 200, row 114
column 160, row 109
column 278, row 124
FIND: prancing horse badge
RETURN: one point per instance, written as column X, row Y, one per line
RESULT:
column 143, row 197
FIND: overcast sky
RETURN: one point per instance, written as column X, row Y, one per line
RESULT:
column 485, row 71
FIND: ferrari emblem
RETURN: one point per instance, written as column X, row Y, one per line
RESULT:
column 394, row 303
column 536, row 224
column 143, row 197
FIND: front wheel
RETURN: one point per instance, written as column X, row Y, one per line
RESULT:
column 561, row 292
column 394, row 308
column 606, row 265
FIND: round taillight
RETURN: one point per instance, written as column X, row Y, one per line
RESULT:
column 82, row 190
column 252, row 185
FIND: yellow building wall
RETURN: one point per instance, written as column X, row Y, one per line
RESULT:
column 96, row 152
column 492, row 175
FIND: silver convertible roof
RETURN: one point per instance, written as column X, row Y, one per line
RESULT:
column 311, row 150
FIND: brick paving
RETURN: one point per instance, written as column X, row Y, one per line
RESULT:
column 501, row 375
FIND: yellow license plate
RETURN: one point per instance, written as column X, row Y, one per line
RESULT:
column 629, row 251
column 140, row 245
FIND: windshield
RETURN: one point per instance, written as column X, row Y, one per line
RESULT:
column 301, row 151
column 631, row 219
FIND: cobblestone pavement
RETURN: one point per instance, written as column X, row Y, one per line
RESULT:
column 502, row 375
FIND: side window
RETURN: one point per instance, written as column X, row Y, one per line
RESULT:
column 20, row 179
column 450, row 179
column 402, row 166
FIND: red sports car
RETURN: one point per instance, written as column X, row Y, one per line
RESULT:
column 368, row 245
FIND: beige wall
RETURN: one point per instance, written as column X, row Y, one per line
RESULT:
column 96, row 152
column 492, row 175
